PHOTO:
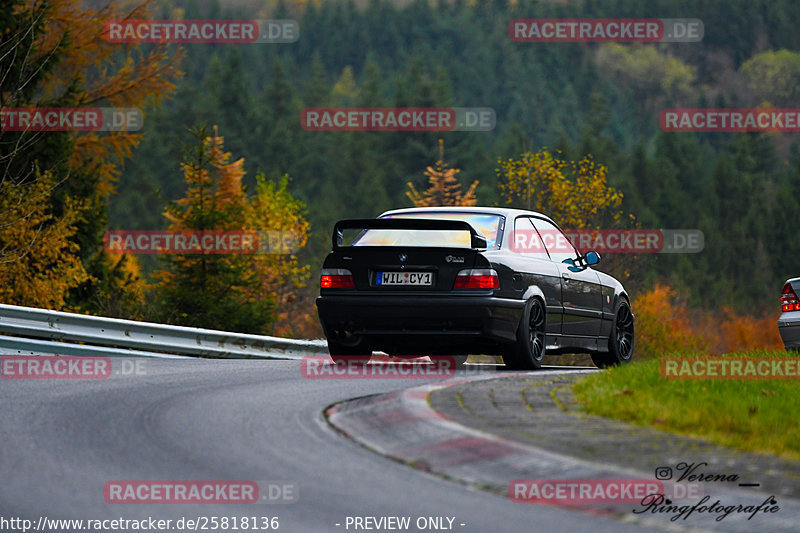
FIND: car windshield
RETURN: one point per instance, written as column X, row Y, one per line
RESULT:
column 485, row 223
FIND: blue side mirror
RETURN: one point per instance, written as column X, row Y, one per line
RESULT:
column 582, row 262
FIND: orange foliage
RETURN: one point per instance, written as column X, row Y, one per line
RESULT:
column 78, row 68
column 104, row 76
column 665, row 325
column 445, row 189
column 741, row 333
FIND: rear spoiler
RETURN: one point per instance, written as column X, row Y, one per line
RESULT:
column 477, row 240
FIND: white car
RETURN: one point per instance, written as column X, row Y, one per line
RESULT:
column 789, row 321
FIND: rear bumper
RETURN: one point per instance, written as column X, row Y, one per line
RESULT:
column 789, row 328
column 416, row 320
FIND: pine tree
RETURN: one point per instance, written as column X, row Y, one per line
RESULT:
column 212, row 290
column 445, row 189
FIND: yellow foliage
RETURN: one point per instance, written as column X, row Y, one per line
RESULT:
column 78, row 68
column 652, row 73
column 575, row 193
column 38, row 261
column 274, row 210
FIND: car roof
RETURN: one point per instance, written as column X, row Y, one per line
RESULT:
column 508, row 212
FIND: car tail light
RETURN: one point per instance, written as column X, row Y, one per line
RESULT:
column 789, row 300
column 336, row 278
column 477, row 278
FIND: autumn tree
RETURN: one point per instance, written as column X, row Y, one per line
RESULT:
column 218, row 291
column 574, row 193
column 53, row 54
column 38, row 254
column 95, row 72
column 110, row 75
column 38, row 260
column 773, row 75
column 240, row 292
column 444, row 188
column 652, row 74
column 280, row 221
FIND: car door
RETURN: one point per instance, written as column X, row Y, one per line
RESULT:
column 581, row 292
column 537, row 270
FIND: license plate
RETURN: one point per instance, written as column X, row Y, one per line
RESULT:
column 404, row 278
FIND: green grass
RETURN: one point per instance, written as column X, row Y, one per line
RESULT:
column 757, row 416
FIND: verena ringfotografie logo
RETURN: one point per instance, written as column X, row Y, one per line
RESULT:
column 606, row 30
column 663, row 503
column 730, row 367
column 634, row 241
column 321, row 367
column 71, row 119
column 398, row 119
column 201, row 31
column 200, row 242
column 68, row 367
column 200, row 492
column 720, row 120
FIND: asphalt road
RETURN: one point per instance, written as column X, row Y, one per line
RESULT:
column 62, row 440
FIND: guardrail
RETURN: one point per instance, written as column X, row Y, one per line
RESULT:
column 32, row 331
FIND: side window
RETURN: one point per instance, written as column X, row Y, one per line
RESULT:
column 526, row 240
column 557, row 244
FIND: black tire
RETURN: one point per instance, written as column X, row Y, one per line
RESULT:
column 529, row 350
column 620, row 340
column 343, row 353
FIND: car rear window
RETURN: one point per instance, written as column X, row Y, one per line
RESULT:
column 485, row 223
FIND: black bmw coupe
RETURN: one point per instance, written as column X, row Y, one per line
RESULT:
column 469, row 280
